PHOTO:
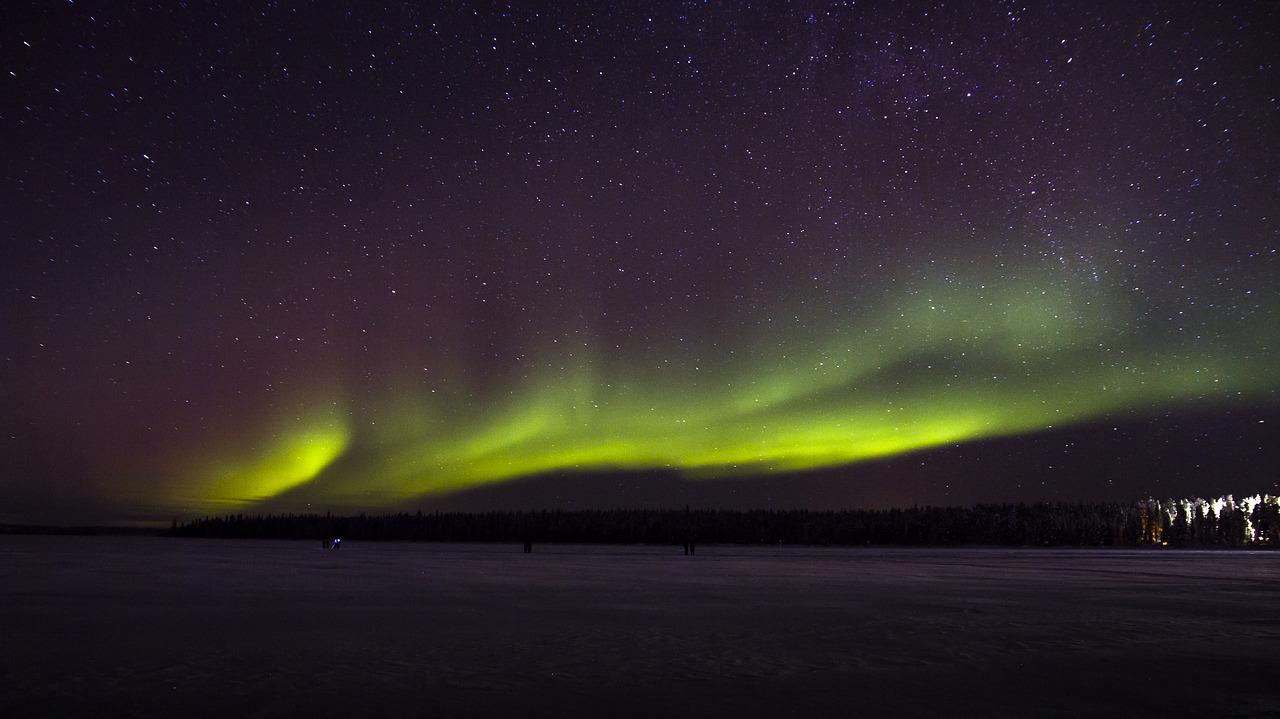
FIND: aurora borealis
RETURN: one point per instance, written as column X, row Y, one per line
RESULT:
column 949, row 367
column 354, row 259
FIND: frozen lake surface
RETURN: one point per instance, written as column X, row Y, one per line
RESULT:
column 112, row 626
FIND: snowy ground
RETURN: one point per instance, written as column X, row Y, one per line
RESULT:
column 112, row 626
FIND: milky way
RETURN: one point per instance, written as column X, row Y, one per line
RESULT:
column 311, row 257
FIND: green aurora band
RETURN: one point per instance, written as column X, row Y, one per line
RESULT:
column 942, row 362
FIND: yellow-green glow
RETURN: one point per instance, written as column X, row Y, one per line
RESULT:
column 935, row 363
column 291, row 457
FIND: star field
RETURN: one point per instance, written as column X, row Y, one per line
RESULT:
column 353, row 257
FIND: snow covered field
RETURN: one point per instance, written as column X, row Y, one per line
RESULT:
column 111, row 626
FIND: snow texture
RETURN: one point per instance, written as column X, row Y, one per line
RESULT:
column 146, row 627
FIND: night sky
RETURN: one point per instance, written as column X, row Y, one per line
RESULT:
column 807, row 255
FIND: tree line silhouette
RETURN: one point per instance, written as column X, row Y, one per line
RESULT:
column 1221, row 522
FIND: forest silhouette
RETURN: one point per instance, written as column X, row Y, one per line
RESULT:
column 1222, row 522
